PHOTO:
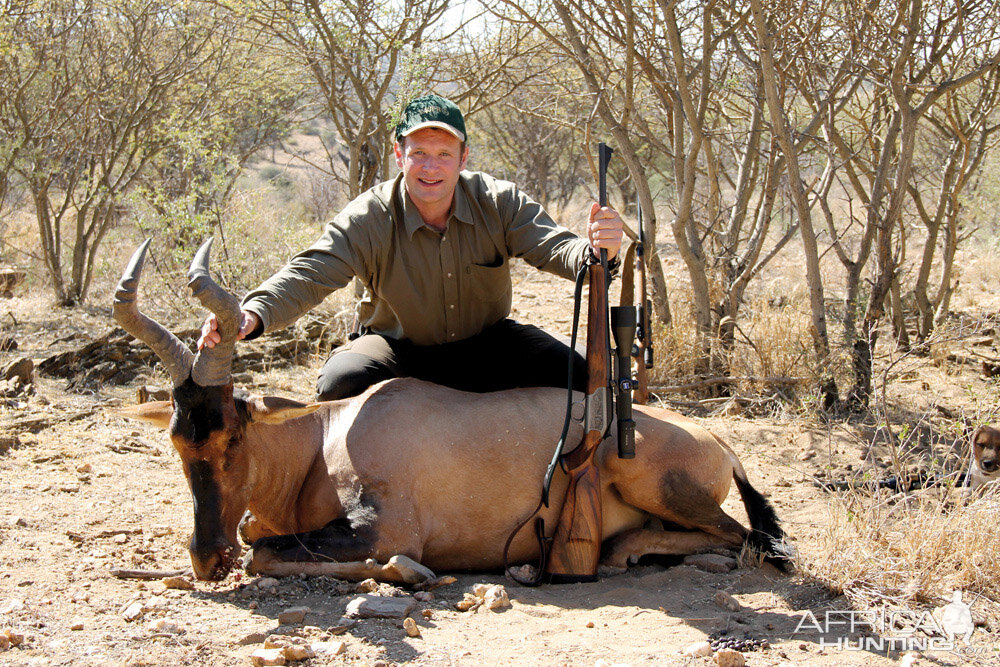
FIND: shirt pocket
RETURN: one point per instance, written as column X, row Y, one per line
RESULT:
column 490, row 282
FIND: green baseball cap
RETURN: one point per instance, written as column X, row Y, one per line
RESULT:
column 431, row 111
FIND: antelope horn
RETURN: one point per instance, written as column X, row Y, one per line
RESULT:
column 212, row 366
column 172, row 352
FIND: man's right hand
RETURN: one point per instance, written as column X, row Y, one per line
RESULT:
column 210, row 330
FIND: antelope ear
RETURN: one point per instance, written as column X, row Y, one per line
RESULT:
column 157, row 413
column 275, row 410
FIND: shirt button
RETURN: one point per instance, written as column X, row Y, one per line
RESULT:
column 449, row 275
column 452, row 306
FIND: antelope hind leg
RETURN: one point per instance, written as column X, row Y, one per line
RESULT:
column 626, row 549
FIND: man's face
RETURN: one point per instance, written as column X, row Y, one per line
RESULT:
column 431, row 160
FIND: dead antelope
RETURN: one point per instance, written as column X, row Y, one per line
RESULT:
column 436, row 474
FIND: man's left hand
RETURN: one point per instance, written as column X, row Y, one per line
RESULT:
column 605, row 230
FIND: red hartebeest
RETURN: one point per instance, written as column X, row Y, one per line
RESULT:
column 412, row 468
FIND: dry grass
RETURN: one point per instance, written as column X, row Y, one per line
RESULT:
column 914, row 549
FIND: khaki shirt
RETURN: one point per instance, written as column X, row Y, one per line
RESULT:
column 423, row 285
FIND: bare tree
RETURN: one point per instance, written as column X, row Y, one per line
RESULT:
column 963, row 129
column 94, row 88
column 365, row 59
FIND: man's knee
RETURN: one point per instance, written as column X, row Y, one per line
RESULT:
column 348, row 374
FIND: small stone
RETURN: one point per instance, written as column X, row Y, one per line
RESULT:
column 698, row 650
column 468, row 602
column 806, row 455
column 727, row 657
column 162, row 531
column 263, row 657
column 427, row 613
column 155, row 603
column 909, row 660
column 589, row 624
column 76, row 625
column 132, row 612
column 4, row 643
column 711, row 563
column 342, row 626
column 409, row 570
column 165, row 625
column 265, row 583
column 329, row 648
column 726, row 601
column 411, row 627
column 367, row 586
column 120, row 538
column 85, row 469
column 496, row 598
column 177, row 583
column 293, row 615
column 423, row 596
column 376, row 606
column 253, row 638
column 15, row 638
column 479, row 590
column 19, row 521
column 296, row 652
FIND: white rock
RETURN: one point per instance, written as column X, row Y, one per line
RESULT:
column 263, row 657
column 296, row 652
column 479, row 590
column 909, row 660
column 293, row 615
column 727, row 657
column 132, row 612
column 376, row 606
column 698, row 650
column 155, row 602
column 329, row 648
column 165, row 625
column 496, row 598
column 410, row 570
column 367, row 586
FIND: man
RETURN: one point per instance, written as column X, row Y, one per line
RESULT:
column 432, row 249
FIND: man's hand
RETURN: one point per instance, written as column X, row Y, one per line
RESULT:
column 210, row 330
column 605, row 230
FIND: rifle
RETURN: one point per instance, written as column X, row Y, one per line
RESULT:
column 642, row 351
column 576, row 545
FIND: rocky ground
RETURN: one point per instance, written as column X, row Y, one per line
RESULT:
column 85, row 494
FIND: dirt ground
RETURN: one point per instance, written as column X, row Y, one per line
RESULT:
column 83, row 491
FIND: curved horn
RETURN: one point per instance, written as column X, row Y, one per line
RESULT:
column 212, row 366
column 172, row 352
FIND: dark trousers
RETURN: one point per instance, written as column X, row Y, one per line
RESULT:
column 503, row 356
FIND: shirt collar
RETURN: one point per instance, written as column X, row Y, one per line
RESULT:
column 461, row 210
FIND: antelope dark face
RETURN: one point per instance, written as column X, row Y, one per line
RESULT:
column 204, row 422
column 206, row 429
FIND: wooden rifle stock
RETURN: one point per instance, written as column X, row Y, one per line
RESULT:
column 576, row 545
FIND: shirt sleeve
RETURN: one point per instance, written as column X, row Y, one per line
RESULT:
column 342, row 252
column 535, row 237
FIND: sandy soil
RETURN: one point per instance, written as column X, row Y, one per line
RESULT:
column 83, row 491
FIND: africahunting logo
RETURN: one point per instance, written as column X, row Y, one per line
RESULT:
column 950, row 629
